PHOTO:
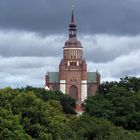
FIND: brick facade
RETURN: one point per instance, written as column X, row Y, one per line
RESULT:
column 73, row 78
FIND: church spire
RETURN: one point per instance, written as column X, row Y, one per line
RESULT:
column 72, row 17
column 72, row 26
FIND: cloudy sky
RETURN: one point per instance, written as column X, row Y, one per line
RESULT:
column 33, row 33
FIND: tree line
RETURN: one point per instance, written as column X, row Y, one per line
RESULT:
column 36, row 114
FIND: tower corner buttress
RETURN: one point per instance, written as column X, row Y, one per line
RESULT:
column 84, row 81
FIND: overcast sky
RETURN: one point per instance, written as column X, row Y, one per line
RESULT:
column 33, row 33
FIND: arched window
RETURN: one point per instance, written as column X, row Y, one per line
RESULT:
column 73, row 92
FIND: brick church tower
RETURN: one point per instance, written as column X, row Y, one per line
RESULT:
column 73, row 78
column 73, row 68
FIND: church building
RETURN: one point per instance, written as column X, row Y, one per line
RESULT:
column 73, row 78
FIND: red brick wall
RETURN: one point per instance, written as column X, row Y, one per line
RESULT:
column 73, row 77
column 92, row 88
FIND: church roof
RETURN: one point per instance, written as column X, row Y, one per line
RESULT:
column 72, row 43
column 54, row 77
column 91, row 77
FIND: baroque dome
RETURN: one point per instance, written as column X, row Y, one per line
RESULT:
column 72, row 43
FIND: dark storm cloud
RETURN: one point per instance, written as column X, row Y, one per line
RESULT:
column 33, row 32
column 52, row 16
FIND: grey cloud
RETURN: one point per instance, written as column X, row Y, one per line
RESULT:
column 52, row 16
column 125, row 65
column 20, row 63
column 16, row 71
column 99, row 48
column 33, row 32
column 22, row 71
column 104, row 48
column 30, row 44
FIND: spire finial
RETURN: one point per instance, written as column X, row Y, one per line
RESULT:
column 72, row 16
column 72, row 25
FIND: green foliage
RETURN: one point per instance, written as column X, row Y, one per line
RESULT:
column 6, row 96
column 10, row 127
column 68, row 103
column 38, row 118
column 89, row 128
column 119, row 102
column 131, row 84
column 34, row 114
